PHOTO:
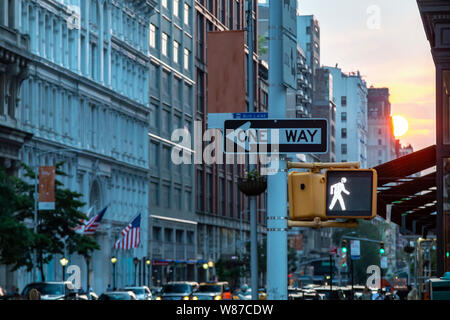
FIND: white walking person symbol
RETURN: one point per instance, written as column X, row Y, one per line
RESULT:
column 336, row 190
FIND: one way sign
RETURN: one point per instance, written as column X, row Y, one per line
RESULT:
column 276, row 136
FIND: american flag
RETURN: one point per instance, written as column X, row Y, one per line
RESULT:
column 131, row 235
column 92, row 225
column 83, row 222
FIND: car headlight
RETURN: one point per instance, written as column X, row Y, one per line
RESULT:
column 158, row 298
column 194, row 298
column 218, row 297
column 186, row 298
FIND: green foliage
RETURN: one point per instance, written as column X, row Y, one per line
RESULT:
column 15, row 237
column 229, row 270
column 262, row 40
column 252, row 175
column 53, row 225
column 370, row 253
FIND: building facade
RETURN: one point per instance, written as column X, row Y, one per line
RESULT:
column 381, row 145
column 308, row 37
column 86, row 102
column 325, row 108
column 173, row 225
column 350, row 97
column 222, row 210
column 14, row 69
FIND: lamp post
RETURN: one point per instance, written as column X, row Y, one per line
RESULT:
column 148, row 262
column 36, row 198
column 135, row 262
column 210, row 267
column 113, row 261
column 205, row 267
column 63, row 261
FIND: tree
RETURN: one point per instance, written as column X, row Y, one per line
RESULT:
column 15, row 237
column 229, row 270
column 369, row 251
column 55, row 230
column 262, row 40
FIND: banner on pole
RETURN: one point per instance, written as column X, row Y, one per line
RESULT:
column 226, row 73
column 47, row 187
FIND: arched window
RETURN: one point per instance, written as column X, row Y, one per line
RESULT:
column 95, row 197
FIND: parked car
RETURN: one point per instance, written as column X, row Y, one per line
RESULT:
column 51, row 290
column 178, row 290
column 118, row 295
column 142, row 292
column 210, row 291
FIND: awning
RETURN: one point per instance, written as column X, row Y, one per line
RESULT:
column 412, row 197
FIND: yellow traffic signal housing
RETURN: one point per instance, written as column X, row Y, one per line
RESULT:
column 339, row 193
column 306, row 195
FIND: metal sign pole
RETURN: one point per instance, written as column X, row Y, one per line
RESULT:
column 251, row 108
column 276, row 186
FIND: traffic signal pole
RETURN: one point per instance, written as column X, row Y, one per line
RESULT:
column 277, row 269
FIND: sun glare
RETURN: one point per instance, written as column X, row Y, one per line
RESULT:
column 400, row 126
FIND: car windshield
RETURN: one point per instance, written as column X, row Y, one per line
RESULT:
column 46, row 288
column 209, row 288
column 115, row 296
column 136, row 290
column 176, row 288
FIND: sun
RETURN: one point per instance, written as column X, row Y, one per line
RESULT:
column 400, row 125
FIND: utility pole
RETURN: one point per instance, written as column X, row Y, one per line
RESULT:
column 252, row 166
column 277, row 183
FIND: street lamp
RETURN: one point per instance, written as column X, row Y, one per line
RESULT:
column 135, row 261
column 63, row 261
column 113, row 261
column 148, row 262
column 36, row 197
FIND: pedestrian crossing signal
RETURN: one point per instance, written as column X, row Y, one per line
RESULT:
column 351, row 193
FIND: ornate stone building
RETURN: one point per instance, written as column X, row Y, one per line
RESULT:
column 86, row 101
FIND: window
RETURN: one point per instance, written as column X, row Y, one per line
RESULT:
column 175, row 51
column 343, row 101
column 176, row 5
column 186, row 14
column 179, row 236
column 344, row 133
column 177, row 198
column 154, row 194
column 190, row 237
column 344, row 116
column 186, row 59
column 380, row 153
column 187, row 200
column 166, row 197
column 380, row 131
column 154, row 154
column 165, row 37
column 164, row 3
column 152, row 36
column 344, row 148
column 380, row 142
column 168, row 234
column 308, row 30
column 157, row 233
column 166, row 158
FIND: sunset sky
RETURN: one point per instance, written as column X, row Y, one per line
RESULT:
column 396, row 55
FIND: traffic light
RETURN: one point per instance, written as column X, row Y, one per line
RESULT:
column 339, row 193
column 344, row 253
column 447, row 254
column 381, row 247
column 344, row 246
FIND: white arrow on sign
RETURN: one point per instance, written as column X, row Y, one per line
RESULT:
column 234, row 135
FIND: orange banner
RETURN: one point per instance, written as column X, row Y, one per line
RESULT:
column 226, row 74
column 47, row 188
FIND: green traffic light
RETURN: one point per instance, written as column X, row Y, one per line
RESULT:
column 344, row 250
column 447, row 254
column 382, row 251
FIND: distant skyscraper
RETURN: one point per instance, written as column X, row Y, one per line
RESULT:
column 308, row 37
column 381, row 145
column 350, row 97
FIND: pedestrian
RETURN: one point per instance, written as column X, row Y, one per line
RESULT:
column 367, row 294
column 2, row 292
column 379, row 295
column 395, row 295
column 413, row 294
column 227, row 294
column 34, row 294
